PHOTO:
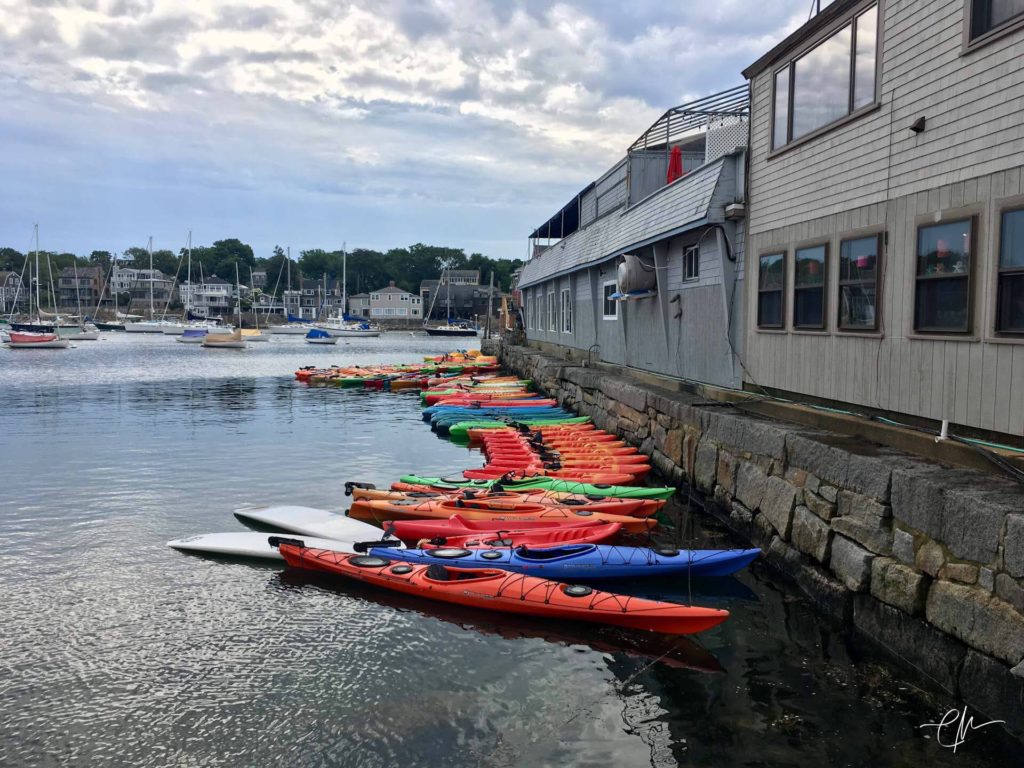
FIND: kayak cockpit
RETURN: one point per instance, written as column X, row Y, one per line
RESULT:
column 549, row 554
column 441, row 573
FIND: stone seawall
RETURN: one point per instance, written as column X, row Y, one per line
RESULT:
column 925, row 559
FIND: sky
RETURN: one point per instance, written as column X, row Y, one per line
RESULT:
column 317, row 123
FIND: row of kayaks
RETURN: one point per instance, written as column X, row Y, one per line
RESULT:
column 433, row 371
column 529, row 532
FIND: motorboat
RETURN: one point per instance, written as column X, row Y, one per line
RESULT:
column 460, row 329
column 319, row 336
column 291, row 329
column 339, row 326
column 192, row 336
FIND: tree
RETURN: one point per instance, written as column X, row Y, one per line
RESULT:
column 11, row 260
column 316, row 262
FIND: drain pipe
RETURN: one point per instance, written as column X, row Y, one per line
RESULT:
column 944, row 432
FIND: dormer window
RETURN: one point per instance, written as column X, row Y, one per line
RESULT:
column 824, row 84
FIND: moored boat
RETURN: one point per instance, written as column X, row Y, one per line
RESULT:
column 493, row 589
column 224, row 341
column 317, row 336
column 20, row 340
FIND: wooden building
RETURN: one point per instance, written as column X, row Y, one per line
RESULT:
column 886, row 212
column 681, row 241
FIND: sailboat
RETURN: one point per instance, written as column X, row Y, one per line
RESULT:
column 295, row 326
column 152, row 325
column 449, row 328
column 86, row 331
column 252, row 334
column 234, row 340
column 340, row 324
column 47, row 322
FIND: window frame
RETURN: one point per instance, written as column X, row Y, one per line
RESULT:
column 604, row 300
column 880, row 247
column 688, row 251
column 1000, row 271
column 781, row 326
column 552, row 312
column 825, row 244
column 927, row 223
column 971, row 44
column 565, row 297
column 790, row 65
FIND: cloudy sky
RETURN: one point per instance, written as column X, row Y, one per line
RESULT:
column 315, row 122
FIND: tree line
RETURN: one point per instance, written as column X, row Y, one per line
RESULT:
column 367, row 269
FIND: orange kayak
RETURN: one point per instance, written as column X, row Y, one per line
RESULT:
column 619, row 506
column 496, row 590
column 378, row 511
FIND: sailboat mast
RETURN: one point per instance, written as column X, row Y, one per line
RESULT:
column 78, row 291
column 38, row 273
column 344, row 281
column 238, row 300
column 151, row 277
column 188, row 296
column 255, row 309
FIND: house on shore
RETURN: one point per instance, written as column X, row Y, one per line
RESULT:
column 644, row 267
column 393, row 303
column 885, row 229
column 211, row 297
column 458, row 294
column 13, row 295
column 80, row 286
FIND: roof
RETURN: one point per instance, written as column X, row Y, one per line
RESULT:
column 670, row 211
column 808, row 30
column 465, row 272
column 359, row 296
column 82, row 272
column 391, row 289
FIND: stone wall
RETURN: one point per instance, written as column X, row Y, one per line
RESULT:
column 925, row 559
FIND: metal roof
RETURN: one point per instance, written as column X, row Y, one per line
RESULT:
column 670, row 211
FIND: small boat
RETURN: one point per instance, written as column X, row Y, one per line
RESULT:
column 309, row 521
column 36, row 341
column 172, row 328
column 498, row 590
column 318, row 336
column 512, row 483
column 254, row 334
column 542, row 537
column 109, row 326
column 224, row 340
column 248, row 544
column 152, row 326
column 192, row 336
column 338, row 326
column 451, row 330
column 587, row 562
column 458, row 526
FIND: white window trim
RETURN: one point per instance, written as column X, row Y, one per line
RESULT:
column 604, row 285
column 552, row 312
column 695, row 250
column 565, row 297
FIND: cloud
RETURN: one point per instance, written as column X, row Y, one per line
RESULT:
column 416, row 112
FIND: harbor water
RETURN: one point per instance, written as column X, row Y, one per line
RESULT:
column 117, row 650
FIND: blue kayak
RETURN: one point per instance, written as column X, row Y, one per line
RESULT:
column 584, row 561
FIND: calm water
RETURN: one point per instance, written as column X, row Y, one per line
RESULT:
column 119, row 651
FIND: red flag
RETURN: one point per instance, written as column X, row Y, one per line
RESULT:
column 675, row 165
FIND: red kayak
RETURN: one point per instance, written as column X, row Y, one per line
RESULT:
column 552, row 537
column 497, row 590
column 456, row 525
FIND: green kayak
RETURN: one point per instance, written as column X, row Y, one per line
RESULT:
column 461, row 429
column 545, row 484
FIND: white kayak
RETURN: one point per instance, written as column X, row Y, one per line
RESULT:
column 310, row 521
column 249, row 544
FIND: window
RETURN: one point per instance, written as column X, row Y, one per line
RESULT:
column 771, row 277
column 942, row 293
column 566, row 311
column 611, row 306
column 691, row 263
column 809, row 287
column 989, row 15
column 528, row 311
column 858, row 283
column 552, row 312
column 1010, row 296
column 828, row 82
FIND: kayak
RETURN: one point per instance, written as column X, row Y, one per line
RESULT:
column 594, row 476
column 311, row 522
column 582, row 561
column 494, row 589
column 634, row 507
column 364, row 508
column 543, row 537
column 462, row 428
column 368, row 511
column 248, row 544
column 456, row 525
column 540, row 482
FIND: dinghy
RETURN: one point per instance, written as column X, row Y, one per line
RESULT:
column 248, row 544
column 310, row 521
